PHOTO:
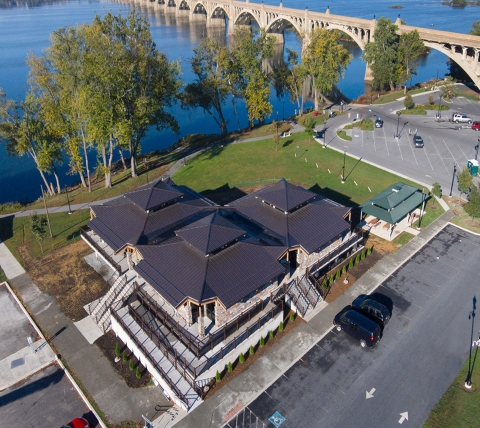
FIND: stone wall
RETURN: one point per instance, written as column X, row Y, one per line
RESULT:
column 304, row 261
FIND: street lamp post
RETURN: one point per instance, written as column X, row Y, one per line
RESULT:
column 471, row 315
column 476, row 150
column 68, row 200
column 453, row 177
column 324, row 132
column 283, row 109
column 398, row 123
column 343, row 168
column 439, row 106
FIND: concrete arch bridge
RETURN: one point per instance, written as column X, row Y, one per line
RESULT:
column 464, row 49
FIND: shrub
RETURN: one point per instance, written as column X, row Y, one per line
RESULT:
column 229, row 368
column 131, row 365
column 218, row 376
column 324, row 284
column 251, row 351
column 270, row 335
column 344, row 269
column 117, row 349
column 292, row 317
column 362, row 255
column 408, row 102
column 331, row 280
column 262, row 341
column 241, row 358
column 430, row 99
column 124, row 356
column 138, row 373
column 337, row 275
column 357, row 259
column 369, row 251
column 350, row 264
column 280, row 326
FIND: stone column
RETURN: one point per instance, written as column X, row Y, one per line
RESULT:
column 475, row 59
column 464, row 53
column 201, row 325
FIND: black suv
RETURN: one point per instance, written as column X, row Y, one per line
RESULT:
column 378, row 122
column 372, row 309
column 358, row 326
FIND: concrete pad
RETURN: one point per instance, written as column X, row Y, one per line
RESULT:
column 25, row 362
column 90, row 330
column 9, row 263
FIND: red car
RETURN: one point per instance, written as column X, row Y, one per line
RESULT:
column 476, row 126
column 77, row 423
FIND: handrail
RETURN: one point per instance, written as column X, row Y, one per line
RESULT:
column 110, row 299
column 147, row 354
column 84, row 234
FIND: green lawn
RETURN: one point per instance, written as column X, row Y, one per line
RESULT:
column 395, row 95
column 458, row 408
column 246, row 166
column 64, row 228
column 2, row 276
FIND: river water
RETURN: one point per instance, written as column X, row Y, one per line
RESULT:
column 24, row 29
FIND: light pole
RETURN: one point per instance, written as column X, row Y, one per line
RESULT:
column 476, row 150
column 283, row 109
column 276, row 127
column 324, row 132
column 471, row 315
column 68, row 199
column 439, row 106
column 343, row 168
column 453, row 177
column 437, row 75
column 398, row 123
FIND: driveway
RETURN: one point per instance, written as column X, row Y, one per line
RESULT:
column 422, row 350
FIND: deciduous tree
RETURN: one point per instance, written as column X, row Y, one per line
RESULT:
column 472, row 207
column 475, row 30
column 324, row 59
column 465, row 180
column 409, row 50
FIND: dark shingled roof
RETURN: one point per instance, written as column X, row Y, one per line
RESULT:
column 178, row 271
column 210, row 233
column 153, row 195
column 285, row 195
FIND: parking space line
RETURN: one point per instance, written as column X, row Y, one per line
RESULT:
column 453, row 157
column 441, row 158
column 400, row 150
column 413, row 153
column 466, row 159
column 431, row 166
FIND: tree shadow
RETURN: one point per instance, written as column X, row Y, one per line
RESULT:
column 6, row 227
column 224, row 194
column 287, row 143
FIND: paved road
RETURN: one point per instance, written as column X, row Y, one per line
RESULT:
column 423, row 347
column 444, row 145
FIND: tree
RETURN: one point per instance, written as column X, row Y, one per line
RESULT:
column 410, row 47
column 276, row 135
column 448, row 88
column 408, row 102
column 382, row 55
column 296, row 79
column 475, row 30
column 459, row 3
column 25, row 132
column 437, row 189
column 465, row 180
column 38, row 225
column 324, row 59
column 243, row 69
column 210, row 88
column 472, row 207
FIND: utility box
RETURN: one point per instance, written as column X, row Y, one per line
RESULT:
column 472, row 166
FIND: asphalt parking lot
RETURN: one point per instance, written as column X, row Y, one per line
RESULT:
column 444, row 144
column 423, row 347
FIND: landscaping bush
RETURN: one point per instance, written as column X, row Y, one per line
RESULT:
column 369, row 251
column 331, row 280
column 292, row 317
column 437, row 190
column 229, row 368
column 117, row 349
column 124, row 356
column 408, row 102
column 218, row 376
column 241, row 358
column 362, row 256
column 344, row 269
column 131, row 365
column 271, row 334
column 251, row 351
column 357, row 259
column 138, row 373
column 325, row 284
column 350, row 264
column 337, row 275
column 262, row 341
column 280, row 326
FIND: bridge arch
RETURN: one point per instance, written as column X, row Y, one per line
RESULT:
column 280, row 19
column 247, row 12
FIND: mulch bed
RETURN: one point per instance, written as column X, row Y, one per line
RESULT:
column 107, row 344
column 249, row 359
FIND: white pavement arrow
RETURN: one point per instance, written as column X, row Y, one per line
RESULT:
column 404, row 416
column 370, row 394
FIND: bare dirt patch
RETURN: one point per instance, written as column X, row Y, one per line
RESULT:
column 66, row 275
column 381, row 248
column 107, row 344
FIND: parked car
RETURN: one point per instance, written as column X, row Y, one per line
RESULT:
column 378, row 122
column 77, row 423
column 461, row 118
column 476, row 126
column 417, row 141
column 372, row 309
column 358, row 326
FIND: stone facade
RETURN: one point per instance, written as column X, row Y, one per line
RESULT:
column 305, row 261
column 185, row 311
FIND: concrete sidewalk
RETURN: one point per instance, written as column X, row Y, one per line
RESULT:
column 247, row 386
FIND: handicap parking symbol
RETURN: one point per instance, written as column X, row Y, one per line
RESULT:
column 277, row 419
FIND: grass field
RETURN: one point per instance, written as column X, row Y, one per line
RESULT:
column 300, row 159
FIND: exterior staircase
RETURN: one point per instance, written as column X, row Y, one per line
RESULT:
column 120, row 289
column 303, row 294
